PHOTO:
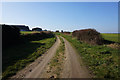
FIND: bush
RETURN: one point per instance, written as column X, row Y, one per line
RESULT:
column 75, row 33
column 10, row 35
column 89, row 36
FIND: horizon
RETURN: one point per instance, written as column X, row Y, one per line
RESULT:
column 66, row 16
column 56, row 30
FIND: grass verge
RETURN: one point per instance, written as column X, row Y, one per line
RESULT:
column 17, row 57
column 101, row 60
column 55, row 65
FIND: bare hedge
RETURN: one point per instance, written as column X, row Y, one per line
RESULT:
column 90, row 36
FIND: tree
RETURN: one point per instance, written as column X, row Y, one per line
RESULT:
column 61, row 31
column 57, row 30
column 36, row 29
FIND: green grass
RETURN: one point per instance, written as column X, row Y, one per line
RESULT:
column 17, row 57
column 101, row 60
column 110, row 37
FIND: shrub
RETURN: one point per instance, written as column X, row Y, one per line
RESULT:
column 89, row 36
column 75, row 33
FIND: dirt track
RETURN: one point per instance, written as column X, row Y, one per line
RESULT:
column 37, row 71
column 34, row 70
column 73, row 67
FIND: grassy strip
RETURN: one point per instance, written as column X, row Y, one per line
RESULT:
column 17, row 57
column 56, row 63
column 101, row 60
column 110, row 37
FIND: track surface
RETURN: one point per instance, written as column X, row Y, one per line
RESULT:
column 73, row 67
column 37, row 71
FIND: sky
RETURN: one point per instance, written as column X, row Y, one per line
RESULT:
column 67, row 16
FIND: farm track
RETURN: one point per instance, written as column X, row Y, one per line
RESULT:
column 38, row 69
column 73, row 66
column 34, row 69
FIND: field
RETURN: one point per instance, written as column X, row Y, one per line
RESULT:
column 18, row 56
column 110, row 37
column 100, row 59
column 27, row 32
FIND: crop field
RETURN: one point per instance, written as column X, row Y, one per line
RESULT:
column 100, row 59
column 111, row 37
column 17, row 57
column 27, row 32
